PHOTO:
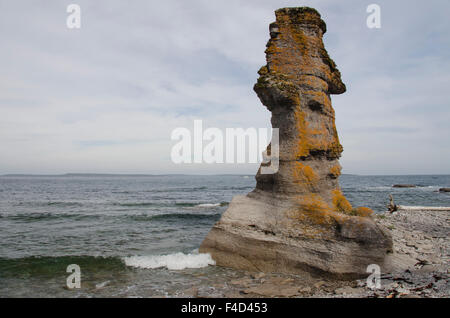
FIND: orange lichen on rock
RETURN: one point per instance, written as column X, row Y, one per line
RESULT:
column 319, row 101
column 297, row 81
column 340, row 202
column 335, row 171
column 362, row 211
column 316, row 138
column 317, row 222
column 296, row 48
column 302, row 142
column 313, row 210
column 304, row 174
column 312, row 203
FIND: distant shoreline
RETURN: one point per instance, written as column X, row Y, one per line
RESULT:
column 115, row 175
column 185, row 174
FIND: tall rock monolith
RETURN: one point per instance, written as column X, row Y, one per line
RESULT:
column 298, row 219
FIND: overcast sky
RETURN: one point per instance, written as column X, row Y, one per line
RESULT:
column 105, row 98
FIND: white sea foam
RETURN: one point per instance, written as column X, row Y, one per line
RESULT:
column 379, row 188
column 422, row 208
column 176, row 261
column 101, row 285
column 207, row 205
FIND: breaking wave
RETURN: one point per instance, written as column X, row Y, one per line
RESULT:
column 176, row 261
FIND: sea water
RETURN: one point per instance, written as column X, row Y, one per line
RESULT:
column 138, row 236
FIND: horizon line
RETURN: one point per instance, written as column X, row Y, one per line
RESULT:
column 184, row 174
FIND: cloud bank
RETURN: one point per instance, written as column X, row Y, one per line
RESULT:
column 105, row 98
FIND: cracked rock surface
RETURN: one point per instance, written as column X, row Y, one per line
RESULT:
column 418, row 267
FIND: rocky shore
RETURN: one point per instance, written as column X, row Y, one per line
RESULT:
column 420, row 252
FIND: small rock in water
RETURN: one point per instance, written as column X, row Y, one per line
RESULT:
column 444, row 190
column 404, row 186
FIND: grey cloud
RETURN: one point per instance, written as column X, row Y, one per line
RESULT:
column 136, row 70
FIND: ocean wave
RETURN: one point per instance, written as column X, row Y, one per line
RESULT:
column 208, row 205
column 163, row 190
column 155, row 204
column 201, row 204
column 136, row 204
column 186, row 204
column 422, row 188
column 391, row 188
column 237, row 188
column 49, row 216
column 377, row 188
column 64, row 203
column 211, row 205
column 45, row 216
column 59, row 204
column 433, row 187
column 176, row 261
column 179, row 189
column 56, row 265
column 168, row 204
column 176, row 217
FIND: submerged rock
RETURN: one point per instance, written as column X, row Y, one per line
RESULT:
column 297, row 219
column 404, row 186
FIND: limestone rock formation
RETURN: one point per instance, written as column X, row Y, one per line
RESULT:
column 297, row 219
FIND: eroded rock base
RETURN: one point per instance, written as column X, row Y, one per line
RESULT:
column 419, row 267
column 257, row 236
